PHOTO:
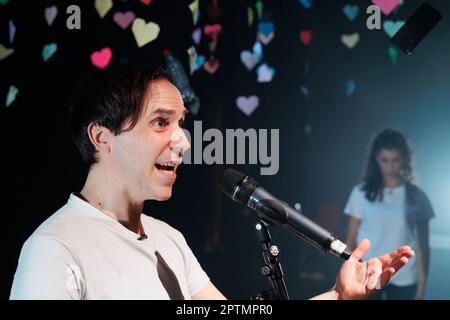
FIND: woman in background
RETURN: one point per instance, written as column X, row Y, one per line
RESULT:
column 388, row 209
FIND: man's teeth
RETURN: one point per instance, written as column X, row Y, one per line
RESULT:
column 166, row 166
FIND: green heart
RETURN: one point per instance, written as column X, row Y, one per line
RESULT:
column 259, row 9
column 3, row 2
column 12, row 93
column 393, row 53
column 49, row 50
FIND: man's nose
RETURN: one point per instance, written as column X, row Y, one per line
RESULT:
column 179, row 140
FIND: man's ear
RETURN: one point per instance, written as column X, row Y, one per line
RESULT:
column 100, row 137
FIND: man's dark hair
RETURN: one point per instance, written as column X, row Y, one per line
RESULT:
column 109, row 98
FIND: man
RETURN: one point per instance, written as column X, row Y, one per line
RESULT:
column 126, row 122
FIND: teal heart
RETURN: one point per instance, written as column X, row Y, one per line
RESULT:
column 49, row 50
column 351, row 11
column 350, row 87
column 306, row 3
column 265, row 28
column 199, row 62
column 11, row 96
column 391, row 27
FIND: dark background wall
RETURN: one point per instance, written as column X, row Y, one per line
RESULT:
column 323, row 137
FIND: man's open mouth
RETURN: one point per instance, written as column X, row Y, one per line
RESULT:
column 166, row 167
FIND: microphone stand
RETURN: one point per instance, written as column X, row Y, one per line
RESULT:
column 272, row 268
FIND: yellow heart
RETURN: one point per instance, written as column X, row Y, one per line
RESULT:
column 144, row 32
column 350, row 40
column 103, row 6
column 4, row 52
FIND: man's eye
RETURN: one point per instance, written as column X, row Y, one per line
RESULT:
column 160, row 122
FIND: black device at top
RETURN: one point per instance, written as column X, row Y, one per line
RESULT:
column 416, row 28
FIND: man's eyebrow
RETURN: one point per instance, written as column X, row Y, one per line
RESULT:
column 169, row 112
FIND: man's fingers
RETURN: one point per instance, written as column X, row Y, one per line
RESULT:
column 361, row 249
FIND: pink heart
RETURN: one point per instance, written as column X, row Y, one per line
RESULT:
column 211, row 65
column 265, row 40
column 247, row 105
column 123, row 19
column 212, row 30
column 306, row 37
column 146, row 2
column 386, row 5
column 101, row 58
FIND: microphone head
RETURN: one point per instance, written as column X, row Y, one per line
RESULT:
column 237, row 185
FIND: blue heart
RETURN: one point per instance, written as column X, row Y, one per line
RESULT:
column 351, row 11
column 49, row 50
column 199, row 62
column 306, row 3
column 257, row 49
column 350, row 87
column 265, row 28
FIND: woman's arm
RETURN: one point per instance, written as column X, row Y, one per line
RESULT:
column 353, row 226
column 423, row 257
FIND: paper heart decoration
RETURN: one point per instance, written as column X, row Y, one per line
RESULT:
column 194, row 10
column 144, row 32
column 351, row 11
column 350, row 40
column 391, row 27
column 307, row 3
column 350, row 87
column 3, row 2
column 265, row 28
column 211, row 65
column 103, row 6
column 5, row 52
column 212, row 31
column 249, row 59
column 305, row 91
column 213, row 11
column 123, row 19
column 199, row 62
column 257, row 49
column 50, row 14
column 197, row 35
column 101, row 58
column 265, row 73
column 49, row 50
column 386, row 6
column 306, row 36
column 12, row 31
column 11, row 96
column 250, row 17
column 146, row 2
column 259, row 9
column 265, row 39
column 393, row 53
column 247, row 104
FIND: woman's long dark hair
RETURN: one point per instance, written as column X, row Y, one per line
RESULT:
column 389, row 139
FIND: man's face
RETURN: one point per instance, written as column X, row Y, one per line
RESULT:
column 146, row 157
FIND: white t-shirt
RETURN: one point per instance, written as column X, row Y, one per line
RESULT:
column 385, row 224
column 81, row 253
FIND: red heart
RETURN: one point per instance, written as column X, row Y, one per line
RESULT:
column 306, row 36
column 146, row 2
column 212, row 30
column 101, row 58
column 211, row 65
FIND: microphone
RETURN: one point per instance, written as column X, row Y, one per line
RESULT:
column 246, row 191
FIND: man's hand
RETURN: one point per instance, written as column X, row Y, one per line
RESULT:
column 357, row 280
